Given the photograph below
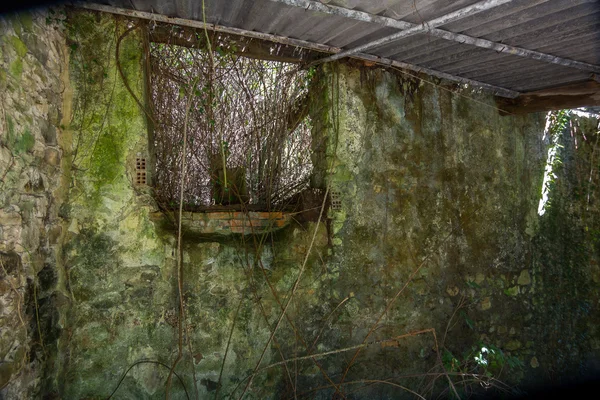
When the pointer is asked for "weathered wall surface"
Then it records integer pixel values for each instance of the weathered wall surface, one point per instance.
(120, 264)
(112, 260)
(439, 191)
(565, 253)
(437, 185)
(33, 61)
(436, 230)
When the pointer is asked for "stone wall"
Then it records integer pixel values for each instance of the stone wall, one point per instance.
(565, 276)
(33, 63)
(432, 248)
(439, 191)
(438, 209)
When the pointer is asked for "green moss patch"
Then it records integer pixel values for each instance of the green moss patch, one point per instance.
(25, 142)
(16, 68)
(18, 45)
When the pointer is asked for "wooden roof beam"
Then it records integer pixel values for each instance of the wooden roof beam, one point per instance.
(186, 36)
(568, 96)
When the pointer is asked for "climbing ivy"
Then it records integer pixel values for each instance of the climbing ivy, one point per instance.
(565, 247)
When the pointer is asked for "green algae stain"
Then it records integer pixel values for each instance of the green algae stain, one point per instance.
(16, 68)
(112, 123)
(19, 143)
(11, 127)
(25, 142)
(18, 45)
(107, 158)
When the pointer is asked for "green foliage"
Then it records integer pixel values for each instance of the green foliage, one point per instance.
(483, 361)
(55, 17)
(565, 247)
(556, 123)
(473, 285)
(450, 362)
(468, 320)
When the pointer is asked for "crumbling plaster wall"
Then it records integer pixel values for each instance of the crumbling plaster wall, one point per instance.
(438, 215)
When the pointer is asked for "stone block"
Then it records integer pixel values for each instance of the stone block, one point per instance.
(513, 345)
(52, 156)
(54, 233)
(11, 261)
(198, 216)
(209, 229)
(486, 304)
(8, 218)
(220, 215)
(524, 278)
(240, 229)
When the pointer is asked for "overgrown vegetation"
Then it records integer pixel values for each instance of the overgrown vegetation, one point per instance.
(556, 123)
(248, 131)
(566, 248)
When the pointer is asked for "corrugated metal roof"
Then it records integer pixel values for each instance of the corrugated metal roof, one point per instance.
(566, 28)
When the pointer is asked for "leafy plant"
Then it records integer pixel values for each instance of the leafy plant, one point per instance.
(483, 363)
(556, 122)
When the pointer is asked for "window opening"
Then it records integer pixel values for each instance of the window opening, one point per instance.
(249, 134)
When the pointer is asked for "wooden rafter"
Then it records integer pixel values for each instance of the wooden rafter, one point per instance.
(568, 96)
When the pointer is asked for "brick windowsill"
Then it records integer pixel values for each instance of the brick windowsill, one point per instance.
(234, 222)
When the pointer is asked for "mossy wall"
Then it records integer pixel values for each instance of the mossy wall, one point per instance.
(111, 252)
(436, 248)
(439, 191)
(119, 264)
